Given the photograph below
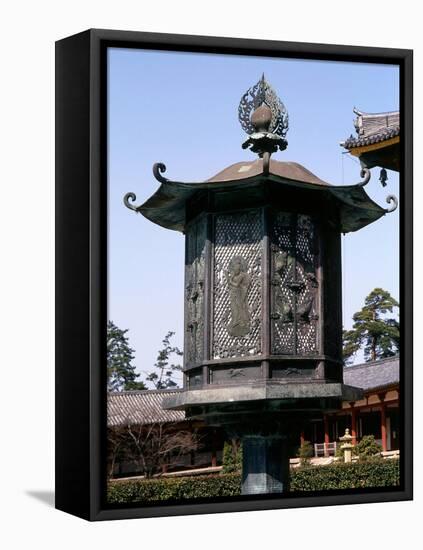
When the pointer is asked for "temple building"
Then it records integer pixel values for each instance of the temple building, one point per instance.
(376, 414)
(377, 142)
(144, 409)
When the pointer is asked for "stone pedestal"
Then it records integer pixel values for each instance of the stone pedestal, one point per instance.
(265, 465)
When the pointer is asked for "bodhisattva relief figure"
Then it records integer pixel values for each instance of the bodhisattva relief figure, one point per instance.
(238, 282)
(283, 263)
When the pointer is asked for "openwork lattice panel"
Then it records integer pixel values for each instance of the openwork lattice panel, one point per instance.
(194, 292)
(294, 285)
(237, 288)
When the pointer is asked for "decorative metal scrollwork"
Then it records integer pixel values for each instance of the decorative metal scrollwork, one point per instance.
(158, 169)
(391, 199)
(366, 175)
(130, 197)
(259, 94)
(264, 118)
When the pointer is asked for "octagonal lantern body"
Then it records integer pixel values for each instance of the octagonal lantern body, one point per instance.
(262, 291)
(263, 296)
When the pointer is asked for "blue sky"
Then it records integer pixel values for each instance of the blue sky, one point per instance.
(181, 109)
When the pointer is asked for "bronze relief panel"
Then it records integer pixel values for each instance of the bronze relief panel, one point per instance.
(294, 295)
(237, 285)
(194, 291)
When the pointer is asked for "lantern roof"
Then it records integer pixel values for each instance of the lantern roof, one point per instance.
(287, 170)
(167, 207)
(264, 118)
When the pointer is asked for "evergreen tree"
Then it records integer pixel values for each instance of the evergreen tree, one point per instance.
(162, 377)
(372, 328)
(121, 373)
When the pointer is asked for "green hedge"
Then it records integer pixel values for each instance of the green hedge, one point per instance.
(232, 457)
(375, 473)
(178, 488)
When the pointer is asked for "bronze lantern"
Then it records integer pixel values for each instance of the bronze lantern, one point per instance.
(263, 290)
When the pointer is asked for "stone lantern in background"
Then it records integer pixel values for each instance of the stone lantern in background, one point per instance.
(263, 296)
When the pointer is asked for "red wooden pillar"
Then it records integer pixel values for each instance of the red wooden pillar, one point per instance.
(353, 424)
(326, 429)
(302, 438)
(383, 427)
(383, 422)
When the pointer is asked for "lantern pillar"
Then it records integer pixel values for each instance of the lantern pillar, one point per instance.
(265, 464)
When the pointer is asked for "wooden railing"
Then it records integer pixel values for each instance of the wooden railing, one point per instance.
(325, 449)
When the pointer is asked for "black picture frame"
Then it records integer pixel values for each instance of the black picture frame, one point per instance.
(81, 260)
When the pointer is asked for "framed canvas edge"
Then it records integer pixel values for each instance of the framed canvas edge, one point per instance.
(89, 450)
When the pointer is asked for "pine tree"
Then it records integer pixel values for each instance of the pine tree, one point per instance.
(162, 377)
(372, 329)
(121, 373)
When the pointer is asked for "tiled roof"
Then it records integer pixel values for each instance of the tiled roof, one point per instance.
(373, 128)
(140, 407)
(369, 140)
(374, 374)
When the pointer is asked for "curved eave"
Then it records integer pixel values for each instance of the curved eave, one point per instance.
(167, 206)
(357, 208)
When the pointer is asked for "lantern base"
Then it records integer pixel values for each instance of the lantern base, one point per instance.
(266, 417)
(269, 391)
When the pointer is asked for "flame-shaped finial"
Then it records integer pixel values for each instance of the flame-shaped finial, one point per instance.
(264, 117)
